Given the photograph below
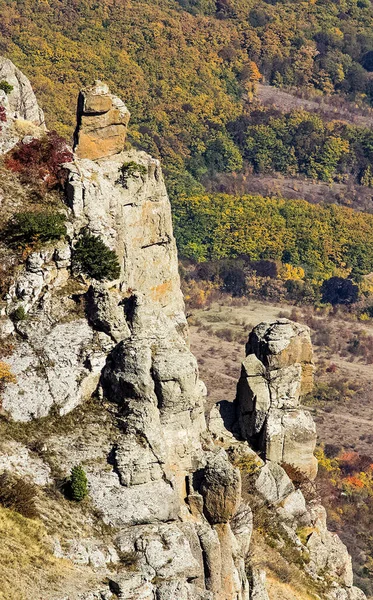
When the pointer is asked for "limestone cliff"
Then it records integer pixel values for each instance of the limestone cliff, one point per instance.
(105, 379)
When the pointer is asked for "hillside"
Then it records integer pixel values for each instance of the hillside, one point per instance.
(188, 69)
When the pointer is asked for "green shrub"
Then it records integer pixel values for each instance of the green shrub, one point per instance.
(78, 484)
(18, 314)
(6, 87)
(131, 169)
(95, 259)
(338, 290)
(18, 494)
(32, 227)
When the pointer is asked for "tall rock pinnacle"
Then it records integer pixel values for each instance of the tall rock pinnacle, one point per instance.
(102, 123)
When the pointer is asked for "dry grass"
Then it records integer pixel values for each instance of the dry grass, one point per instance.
(28, 567)
(286, 580)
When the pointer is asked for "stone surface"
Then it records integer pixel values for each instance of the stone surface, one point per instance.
(17, 459)
(24, 119)
(102, 123)
(22, 102)
(273, 483)
(88, 551)
(276, 373)
(259, 591)
(220, 488)
(135, 221)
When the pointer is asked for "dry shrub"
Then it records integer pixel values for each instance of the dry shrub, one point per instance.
(301, 482)
(199, 294)
(226, 333)
(39, 161)
(18, 495)
(361, 345)
(6, 376)
(129, 560)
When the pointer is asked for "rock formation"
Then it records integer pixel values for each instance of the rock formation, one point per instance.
(21, 100)
(20, 114)
(102, 123)
(276, 373)
(169, 516)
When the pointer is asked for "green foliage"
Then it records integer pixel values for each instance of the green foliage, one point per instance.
(78, 484)
(27, 228)
(6, 87)
(300, 143)
(95, 259)
(314, 237)
(19, 314)
(338, 290)
(222, 155)
(131, 169)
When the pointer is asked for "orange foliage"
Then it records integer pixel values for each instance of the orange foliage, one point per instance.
(6, 375)
(354, 481)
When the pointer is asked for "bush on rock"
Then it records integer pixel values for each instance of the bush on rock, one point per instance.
(27, 228)
(95, 259)
(78, 484)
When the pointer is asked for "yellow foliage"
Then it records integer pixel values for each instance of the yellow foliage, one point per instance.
(329, 464)
(288, 271)
(198, 293)
(6, 375)
(364, 317)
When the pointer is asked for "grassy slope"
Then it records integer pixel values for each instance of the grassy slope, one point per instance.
(28, 567)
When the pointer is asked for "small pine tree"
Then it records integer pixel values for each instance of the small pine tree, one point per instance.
(6, 87)
(95, 259)
(34, 227)
(78, 484)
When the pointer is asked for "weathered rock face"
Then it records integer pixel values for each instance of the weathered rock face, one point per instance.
(21, 114)
(133, 217)
(60, 349)
(102, 123)
(21, 100)
(221, 489)
(276, 373)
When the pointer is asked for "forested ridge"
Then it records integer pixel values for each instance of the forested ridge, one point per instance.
(186, 69)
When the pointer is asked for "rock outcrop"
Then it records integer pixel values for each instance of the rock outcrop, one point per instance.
(169, 515)
(20, 114)
(21, 101)
(102, 123)
(276, 373)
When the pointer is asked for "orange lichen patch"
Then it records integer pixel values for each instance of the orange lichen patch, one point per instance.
(158, 292)
(6, 375)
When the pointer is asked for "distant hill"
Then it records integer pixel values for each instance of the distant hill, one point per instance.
(185, 68)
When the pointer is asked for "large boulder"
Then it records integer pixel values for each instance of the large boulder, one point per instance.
(21, 101)
(221, 488)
